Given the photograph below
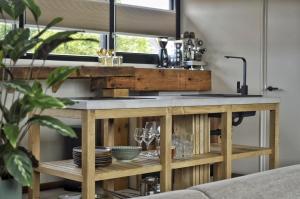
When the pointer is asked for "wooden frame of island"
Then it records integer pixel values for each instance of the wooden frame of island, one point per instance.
(221, 156)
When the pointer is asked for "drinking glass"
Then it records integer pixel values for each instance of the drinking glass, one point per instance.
(138, 135)
(148, 137)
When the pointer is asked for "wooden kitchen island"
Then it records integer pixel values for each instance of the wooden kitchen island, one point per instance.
(167, 108)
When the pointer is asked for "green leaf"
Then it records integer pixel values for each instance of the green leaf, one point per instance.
(19, 110)
(45, 102)
(37, 88)
(21, 48)
(4, 111)
(19, 85)
(11, 132)
(66, 101)
(14, 8)
(53, 123)
(15, 36)
(51, 24)
(1, 56)
(59, 75)
(34, 8)
(19, 166)
(53, 42)
(17, 43)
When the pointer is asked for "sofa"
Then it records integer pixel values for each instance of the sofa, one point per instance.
(282, 183)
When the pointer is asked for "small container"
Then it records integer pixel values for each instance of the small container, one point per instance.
(149, 186)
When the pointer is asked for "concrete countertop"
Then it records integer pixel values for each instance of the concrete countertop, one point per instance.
(166, 101)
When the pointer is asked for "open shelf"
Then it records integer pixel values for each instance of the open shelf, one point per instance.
(243, 151)
(67, 169)
(207, 158)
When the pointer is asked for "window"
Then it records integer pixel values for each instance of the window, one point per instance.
(140, 44)
(159, 4)
(85, 48)
(136, 44)
(132, 21)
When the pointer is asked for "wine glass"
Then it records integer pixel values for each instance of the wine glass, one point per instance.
(138, 135)
(148, 137)
(157, 135)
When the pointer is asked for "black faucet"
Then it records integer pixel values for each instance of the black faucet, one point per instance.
(244, 89)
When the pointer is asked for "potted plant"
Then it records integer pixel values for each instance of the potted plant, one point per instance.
(22, 102)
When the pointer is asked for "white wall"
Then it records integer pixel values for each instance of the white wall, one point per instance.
(231, 27)
(235, 27)
(283, 72)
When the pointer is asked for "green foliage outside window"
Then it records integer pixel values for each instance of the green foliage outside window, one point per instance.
(78, 47)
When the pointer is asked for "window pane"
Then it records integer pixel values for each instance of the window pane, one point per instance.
(139, 44)
(160, 4)
(75, 47)
(136, 44)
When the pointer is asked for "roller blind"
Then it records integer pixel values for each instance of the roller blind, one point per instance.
(140, 20)
(6, 17)
(77, 14)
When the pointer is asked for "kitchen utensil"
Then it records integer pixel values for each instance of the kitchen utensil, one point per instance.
(103, 156)
(163, 54)
(125, 153)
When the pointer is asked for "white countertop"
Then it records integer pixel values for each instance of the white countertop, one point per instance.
(167, 101)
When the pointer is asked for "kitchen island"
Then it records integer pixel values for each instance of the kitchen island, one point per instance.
(167, 108)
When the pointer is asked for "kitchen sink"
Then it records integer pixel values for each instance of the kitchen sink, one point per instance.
(220, 95)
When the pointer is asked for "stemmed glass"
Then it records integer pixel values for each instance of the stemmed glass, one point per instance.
(138, 135)
(148, 137)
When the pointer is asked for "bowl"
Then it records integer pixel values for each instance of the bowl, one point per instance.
(125, 153)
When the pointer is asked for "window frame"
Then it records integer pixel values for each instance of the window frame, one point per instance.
(108, 41)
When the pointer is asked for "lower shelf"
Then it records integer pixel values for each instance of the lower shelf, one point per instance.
(67, 169)
(242, 151)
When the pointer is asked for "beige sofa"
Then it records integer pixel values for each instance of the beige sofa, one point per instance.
(282, 183)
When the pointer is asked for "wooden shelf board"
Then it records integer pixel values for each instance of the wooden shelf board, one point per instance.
(208, 158)
(67, 169)
(125, 169)
(243, 151)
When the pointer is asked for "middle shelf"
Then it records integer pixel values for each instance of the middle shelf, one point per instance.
(67, 169)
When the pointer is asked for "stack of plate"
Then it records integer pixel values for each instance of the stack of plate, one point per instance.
(103, 156)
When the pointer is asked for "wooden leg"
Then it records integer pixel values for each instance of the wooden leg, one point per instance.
(227, 143)
(34, 146)
(165, 153)
(218, 171)
(197, 126)
(88, 154)
(120, 134)
(108, 140)
(274, 138)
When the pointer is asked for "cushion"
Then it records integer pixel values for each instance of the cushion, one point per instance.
(274, 184)
(183, 194)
